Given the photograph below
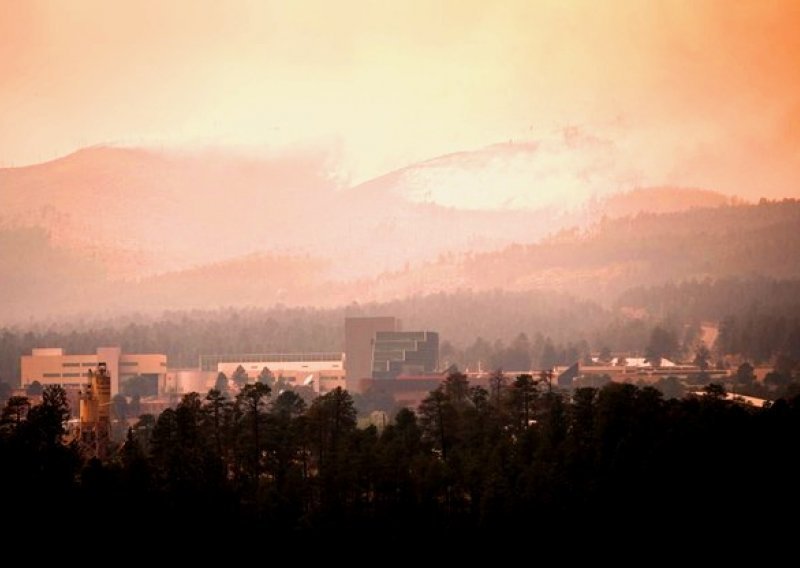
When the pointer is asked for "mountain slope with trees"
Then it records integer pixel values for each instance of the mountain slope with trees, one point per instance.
(517, 461)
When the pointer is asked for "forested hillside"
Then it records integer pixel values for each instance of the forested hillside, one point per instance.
(598, 264)
(713, 300)
(649, 249)
(759, 320)
(184, 335)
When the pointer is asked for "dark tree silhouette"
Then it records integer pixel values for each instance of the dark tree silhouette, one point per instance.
(663, 344)
(239, 377)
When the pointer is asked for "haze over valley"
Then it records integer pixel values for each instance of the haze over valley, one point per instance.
(186, 230)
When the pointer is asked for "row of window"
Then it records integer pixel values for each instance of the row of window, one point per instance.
(92, 364)
(210, 362)
(66, 375)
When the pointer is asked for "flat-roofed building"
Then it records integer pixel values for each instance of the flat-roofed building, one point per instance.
(322, 371)
(184, 381)
(51, 366)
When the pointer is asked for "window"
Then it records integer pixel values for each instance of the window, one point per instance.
(51, 375)
(65, 375)
(88, 364)
(70, 364)
(128, 363)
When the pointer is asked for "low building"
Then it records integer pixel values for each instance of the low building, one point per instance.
(633, 370)
(51, 366)
(406, 390)
(410, 390)
(323, 371)
(184, 381)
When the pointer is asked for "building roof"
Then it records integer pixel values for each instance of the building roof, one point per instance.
(741, 399)
(638, 362)
(209, 362)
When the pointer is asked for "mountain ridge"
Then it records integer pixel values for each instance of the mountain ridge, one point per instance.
(598, 264)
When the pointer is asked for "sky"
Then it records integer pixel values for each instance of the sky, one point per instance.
(704, 94)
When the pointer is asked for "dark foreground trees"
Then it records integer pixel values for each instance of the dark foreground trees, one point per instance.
(521, 460)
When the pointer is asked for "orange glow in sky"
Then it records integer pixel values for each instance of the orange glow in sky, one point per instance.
(693, 93)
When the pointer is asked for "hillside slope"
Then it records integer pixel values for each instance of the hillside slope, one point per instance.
(598, 264)
(144, 211)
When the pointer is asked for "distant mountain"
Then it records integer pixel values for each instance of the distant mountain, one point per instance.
(144, 212)
(597, 264)
(657, 200)
(125, 228)
(561, 173)
(644, 250)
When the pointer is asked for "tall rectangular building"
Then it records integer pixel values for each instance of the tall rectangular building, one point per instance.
(359, 337)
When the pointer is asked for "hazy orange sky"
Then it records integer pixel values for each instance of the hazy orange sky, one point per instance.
(691, 93)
